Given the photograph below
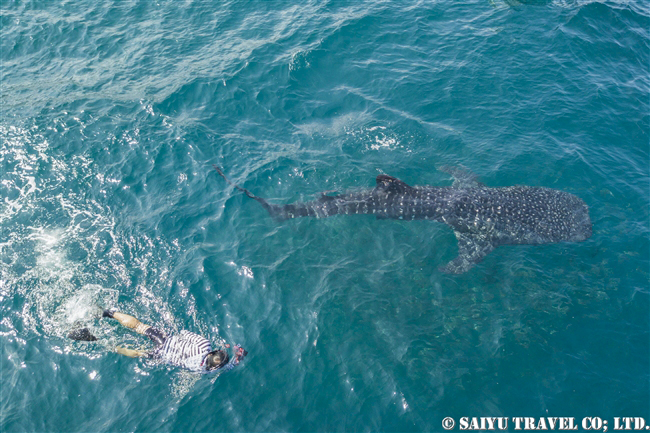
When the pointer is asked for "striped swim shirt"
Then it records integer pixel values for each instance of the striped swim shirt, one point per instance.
(186, 350)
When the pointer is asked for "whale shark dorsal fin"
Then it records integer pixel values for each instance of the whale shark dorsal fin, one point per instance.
(463, 178)
(392, 184)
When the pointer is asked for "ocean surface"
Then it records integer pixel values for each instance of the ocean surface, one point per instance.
(113, 112)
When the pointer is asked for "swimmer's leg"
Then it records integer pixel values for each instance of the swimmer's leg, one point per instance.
(155, 334)
(131, 353)
(128, 321)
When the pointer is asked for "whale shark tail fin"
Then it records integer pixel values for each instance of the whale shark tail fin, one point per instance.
(244, 190)
(275, 211)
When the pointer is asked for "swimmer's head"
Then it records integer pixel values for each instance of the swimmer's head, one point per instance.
(216, 359)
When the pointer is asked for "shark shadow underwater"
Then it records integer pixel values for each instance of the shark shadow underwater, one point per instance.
(482, 218)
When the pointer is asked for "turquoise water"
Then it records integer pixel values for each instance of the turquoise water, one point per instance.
(113, 113)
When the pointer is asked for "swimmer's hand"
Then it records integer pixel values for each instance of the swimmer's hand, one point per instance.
(239, 353)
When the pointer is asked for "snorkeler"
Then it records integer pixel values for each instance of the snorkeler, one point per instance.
(187, 350)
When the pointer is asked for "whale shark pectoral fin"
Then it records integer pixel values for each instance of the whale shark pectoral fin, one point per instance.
(463, 178)
(471, 250)
(392, 184)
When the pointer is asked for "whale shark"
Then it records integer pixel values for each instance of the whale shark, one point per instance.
(482, 218)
